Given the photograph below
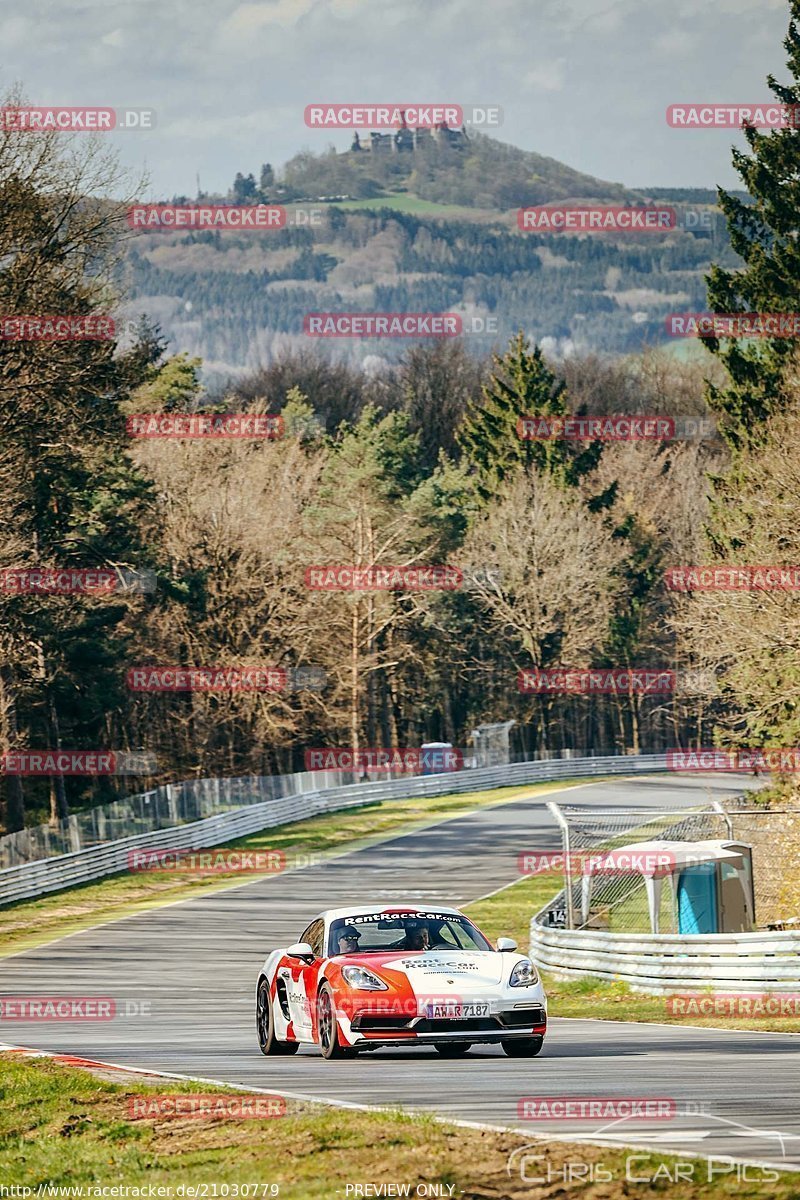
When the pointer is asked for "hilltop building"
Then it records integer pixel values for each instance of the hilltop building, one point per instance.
(405, 140)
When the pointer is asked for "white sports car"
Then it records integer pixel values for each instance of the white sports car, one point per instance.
(407, 975)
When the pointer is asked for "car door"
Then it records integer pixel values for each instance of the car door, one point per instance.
(303, 993)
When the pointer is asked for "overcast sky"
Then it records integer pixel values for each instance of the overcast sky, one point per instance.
(584, 81)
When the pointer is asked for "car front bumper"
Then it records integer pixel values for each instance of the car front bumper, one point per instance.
(522, 1021)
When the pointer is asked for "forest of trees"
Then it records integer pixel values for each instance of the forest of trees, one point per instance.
(567, 543)
(390, 472)
(235, 303)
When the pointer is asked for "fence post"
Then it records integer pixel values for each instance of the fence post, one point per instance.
(74, 833)
(172, 803)
(717, 804)
(559, 816)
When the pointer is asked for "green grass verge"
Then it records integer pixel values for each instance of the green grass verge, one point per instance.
(609, 1001)
(71, 1128)
(32, 923)
(509, 913)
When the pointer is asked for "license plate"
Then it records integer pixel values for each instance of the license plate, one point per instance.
(457, 1011)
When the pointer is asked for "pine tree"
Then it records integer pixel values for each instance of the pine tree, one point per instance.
(244, 188)
(521, 385)
(764, 234)
(172, 385)
(266, 181)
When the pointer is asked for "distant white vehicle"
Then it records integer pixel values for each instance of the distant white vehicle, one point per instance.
(406, 975)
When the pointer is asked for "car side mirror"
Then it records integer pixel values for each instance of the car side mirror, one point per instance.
(504, 944)
(301, 950)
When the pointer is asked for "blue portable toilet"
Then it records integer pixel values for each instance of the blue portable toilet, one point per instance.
(712, 882)
(696, 894)
(437, 757)
(717, 896)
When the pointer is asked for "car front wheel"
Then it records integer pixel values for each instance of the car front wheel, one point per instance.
(265, 1024)
(328, 1028)
(522, 1047)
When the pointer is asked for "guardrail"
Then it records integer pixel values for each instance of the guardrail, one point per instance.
(163, 807)
(111, 857)
(721, 962)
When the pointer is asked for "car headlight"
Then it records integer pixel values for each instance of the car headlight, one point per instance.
(364, 980)
(524, 974)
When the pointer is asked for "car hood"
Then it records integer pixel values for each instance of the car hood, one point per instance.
(437, 970)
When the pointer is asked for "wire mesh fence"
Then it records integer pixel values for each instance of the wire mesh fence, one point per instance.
(774, 835)
(194, 799)
(616, 899)
(164, 807)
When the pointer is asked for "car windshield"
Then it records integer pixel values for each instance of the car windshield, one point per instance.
(403, 929)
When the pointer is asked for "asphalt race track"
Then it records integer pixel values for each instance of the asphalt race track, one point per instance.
(195, 964)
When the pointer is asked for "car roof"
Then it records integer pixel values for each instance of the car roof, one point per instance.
(394, 906)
